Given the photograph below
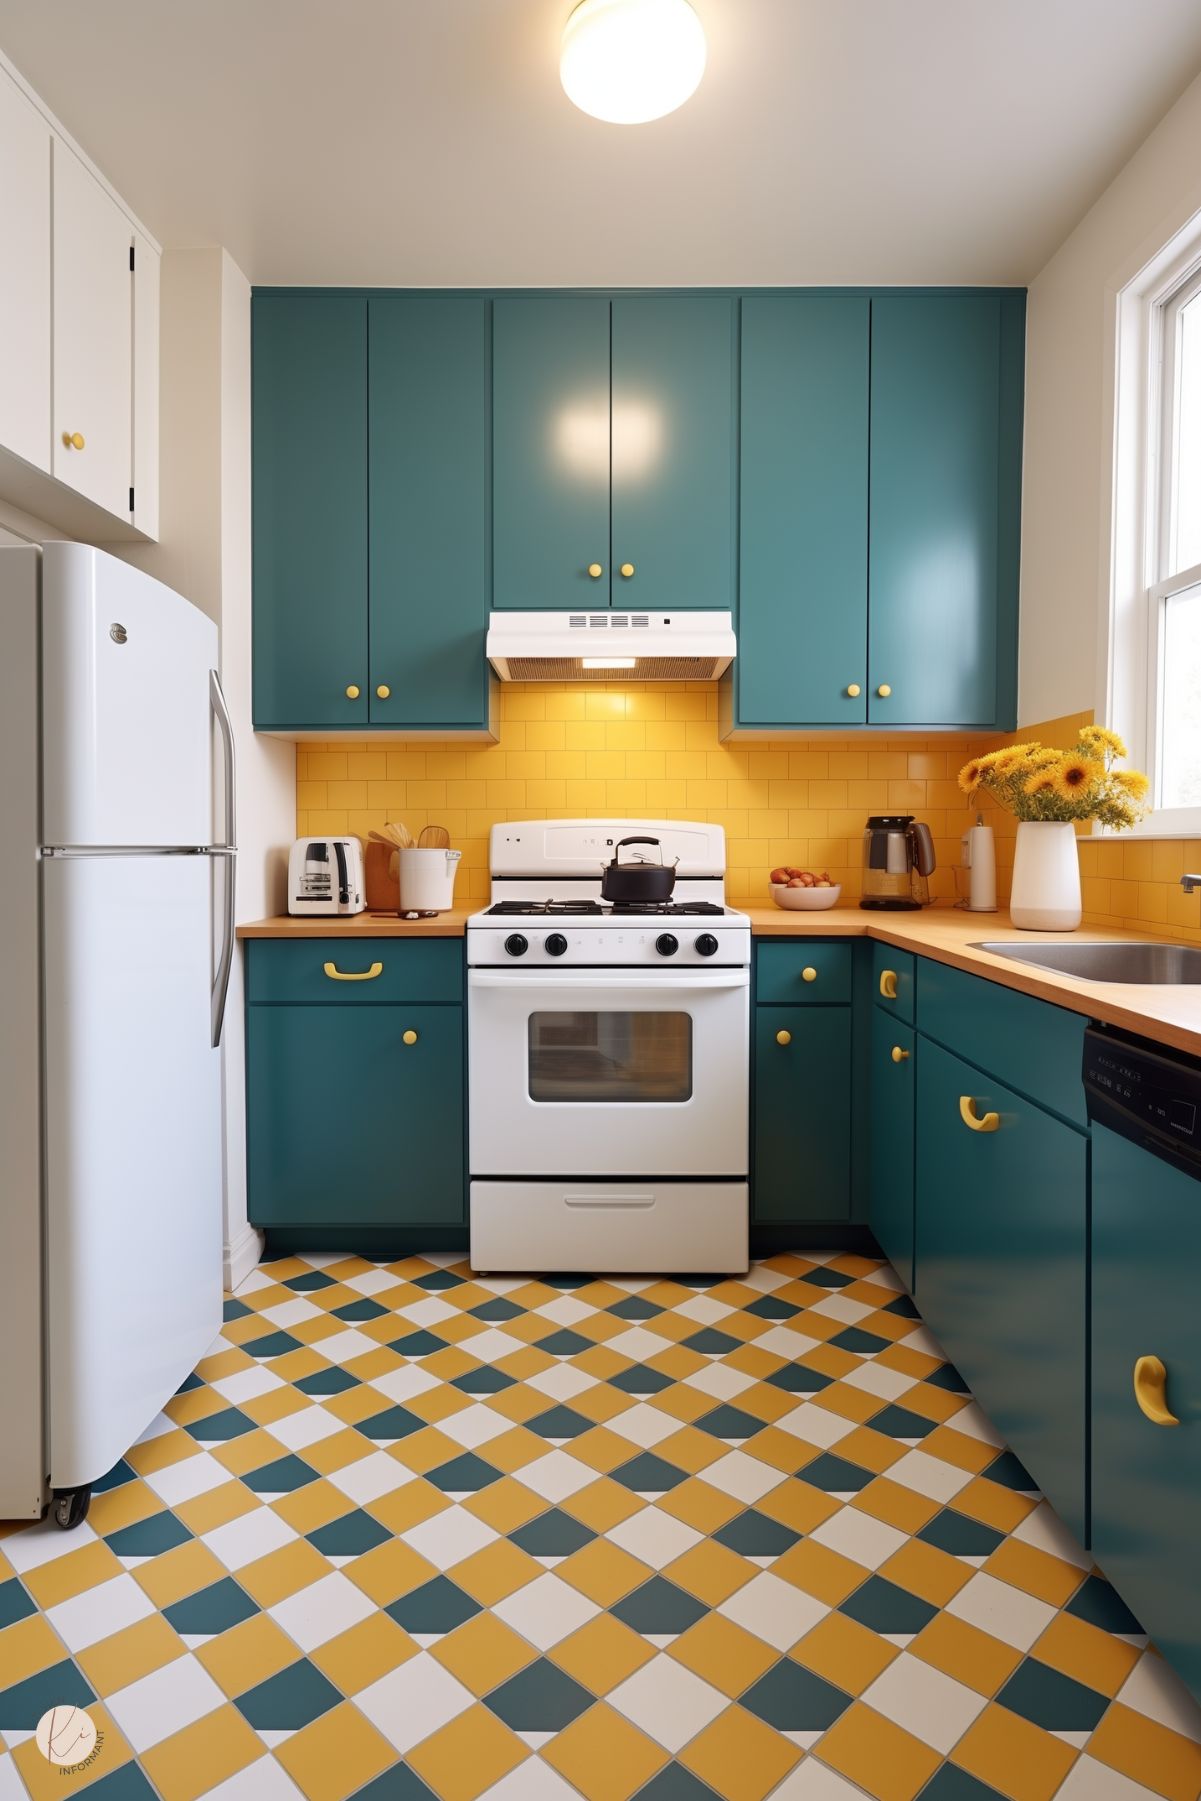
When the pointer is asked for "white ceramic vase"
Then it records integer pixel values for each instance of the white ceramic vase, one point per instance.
(1045, 896)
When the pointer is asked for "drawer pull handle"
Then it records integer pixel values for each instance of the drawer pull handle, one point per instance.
(352, 692)
(888, 984)
(899, 1055)
(74, 440)
(809, 974)
(884, 690)
(409, 1037)
(976, 1122)
(1151, 1391)
(353, 975)
(783, 1037)
(595, 571)
(853, 690)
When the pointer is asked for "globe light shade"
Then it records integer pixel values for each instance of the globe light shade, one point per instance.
(628, 61)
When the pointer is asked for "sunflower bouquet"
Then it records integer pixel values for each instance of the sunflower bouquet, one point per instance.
(1035, 781)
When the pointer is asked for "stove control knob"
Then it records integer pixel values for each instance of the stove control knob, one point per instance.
(667, 944)
(706, 945)
(556, 944)
(516, 944)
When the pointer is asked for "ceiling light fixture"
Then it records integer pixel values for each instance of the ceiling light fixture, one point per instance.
(628, 61)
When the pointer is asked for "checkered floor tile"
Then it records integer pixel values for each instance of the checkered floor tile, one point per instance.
(410, 1533)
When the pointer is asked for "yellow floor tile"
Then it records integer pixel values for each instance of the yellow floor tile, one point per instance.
(336, 1754)
(249, 1452)
(740, 1757)
(699, 1504)
(314, 1505)
(844, 1652)
(390, 1570)
(1034, 1571)
(515, 1448)
(46, 1781)
(276, 1404)
(602, 1653)
(994, 1505)
(711, 1572)
(29, 1646)
(1019, 1759)
(602, 1571)
(407, 1507)
(798, 1505)
(1093, 1657)
(468, 1756)
(604, 1504)
(161, 1452)
(178, 1572)
(365, 1652)
(281, 1573)
(871, 1450)
(202, 1755)
(819, 1571)
(126, 1656)
(247, 1654)
(604, 1756)
(123, 1506)
(505, 1505)
(216, 1508)
(498, 1570)
(926, 1571)
(783, 1450)
(483, 1653)
(1149, 1753)
(882, 1758)
(723, 1654)
(425, 1450)
(69, 1575)
(850, 1403)
(966, 1653)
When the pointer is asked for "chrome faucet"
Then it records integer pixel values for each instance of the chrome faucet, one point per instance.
(1190, 882)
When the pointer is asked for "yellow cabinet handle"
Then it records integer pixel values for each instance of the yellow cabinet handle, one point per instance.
(409, 1037)
(383, 692)
(888, 984)
(1151, 1391)
(808, 974)
(899, 1055)
(974, 1121)
(353, 975)
(884, 690)
(74, 440)
(595, 571)
(627, 569)
(352, 692)
(854, 691)
(783, 1037)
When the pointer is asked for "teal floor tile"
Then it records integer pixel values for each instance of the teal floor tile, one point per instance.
(149, 1537)
(282, 1476)
(15, 1604)
(211, 1610)
(552, 1534)
(22, 1705)
(660, 1608)
(1049, 1699)
(540, 1698)
(793, 1699)
(438, 1606)
(885, 1608)
(288, 1700)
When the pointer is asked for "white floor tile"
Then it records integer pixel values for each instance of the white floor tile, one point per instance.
(928, 1475)
(667, 1702)
(474, 1425)
(644, 1424)
(816, 1425)
(774, 1611)
(877, 1379)
(1007, 1613)
(930, 1705)
(782, 1341)
(492, 1345)
(814, 1781)
(654, 1537)
(244, 1385)
(556, 1475)
(974, 1424)
(13, 1789)
(764, 1279)
(1044, 1529)
(561, 1382)
(190, 1477)
(371, 1281)
(743, 1477)
(837, 1306)
(307, 1427)
(399, 1385)
(94, 1613)
(164, 1702)
(720, 1381)
(290, 1313)
(448, 1537)
(372, 1476)
(546, 1610)
(410, 1703)
(860, 1536)
(1153, 1688)
(1088, 1780)
(249, 1537)
(42, 1543)
(429, 1312)
(565, 1310)
(638, 1344)
(319, 1612)
(344, 1347)
(264, 1780)
(531, 1781)
(704, 1309)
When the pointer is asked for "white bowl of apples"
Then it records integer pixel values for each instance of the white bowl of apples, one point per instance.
(801, 890)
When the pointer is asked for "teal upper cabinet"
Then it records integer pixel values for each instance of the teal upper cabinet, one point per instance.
(429, 510)
(613, 451)
(550, 438)
(674, 368)
(310, 510)
(944, 507)
(802, 640)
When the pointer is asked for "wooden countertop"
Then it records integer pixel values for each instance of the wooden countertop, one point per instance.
(1170, 1016)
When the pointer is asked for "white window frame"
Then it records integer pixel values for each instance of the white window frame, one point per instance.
(1140, 524)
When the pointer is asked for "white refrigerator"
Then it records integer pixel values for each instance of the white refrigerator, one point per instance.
(116, 936)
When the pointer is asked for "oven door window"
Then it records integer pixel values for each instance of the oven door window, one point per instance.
(610, 1057)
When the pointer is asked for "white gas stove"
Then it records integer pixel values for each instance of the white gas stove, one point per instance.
(609, 1056)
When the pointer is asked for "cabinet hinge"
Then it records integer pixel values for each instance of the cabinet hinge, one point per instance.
(131, 256)
(131, 500)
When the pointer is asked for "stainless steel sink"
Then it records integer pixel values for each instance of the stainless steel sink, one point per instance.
(1166, 964)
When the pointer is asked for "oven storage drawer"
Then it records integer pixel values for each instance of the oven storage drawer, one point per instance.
(803, 972)
(610, 1227)
(365, 971)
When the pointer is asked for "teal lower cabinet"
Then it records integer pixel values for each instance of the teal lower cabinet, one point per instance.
(890, 1209)
(1000, 1263)
(801, 1167)
(1146, 1268)
(355, 1108)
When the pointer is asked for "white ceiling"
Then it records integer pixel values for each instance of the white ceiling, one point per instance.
(428, 142)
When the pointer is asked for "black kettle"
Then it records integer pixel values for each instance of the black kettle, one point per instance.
(637, 883)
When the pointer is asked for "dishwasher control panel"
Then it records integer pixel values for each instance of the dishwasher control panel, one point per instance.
(1142, 1091)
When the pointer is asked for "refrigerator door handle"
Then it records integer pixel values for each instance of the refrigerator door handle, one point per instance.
(228, 852)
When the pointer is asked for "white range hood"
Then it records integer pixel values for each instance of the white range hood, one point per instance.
(602, 646)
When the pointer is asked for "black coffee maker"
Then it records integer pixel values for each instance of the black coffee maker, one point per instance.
(898, 859)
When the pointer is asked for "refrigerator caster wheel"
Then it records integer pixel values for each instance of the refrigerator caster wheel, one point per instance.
(70, 1509)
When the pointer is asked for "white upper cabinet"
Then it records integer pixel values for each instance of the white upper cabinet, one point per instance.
(93, 337)
(79, 335)
(24, 277)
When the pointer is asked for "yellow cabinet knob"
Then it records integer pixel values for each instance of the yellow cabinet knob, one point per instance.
(809, 974)
(976, 1122)
(888, 984)
(74, 440)
(884, 690)
(353, 691)
(595, 571)
(627, 569)
(409, 1037)
(899, 1055)
(853, 691)
(783, 1037)
(383, 691)
(1151, 1391)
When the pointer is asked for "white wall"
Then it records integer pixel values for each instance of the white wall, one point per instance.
(1070, 357)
